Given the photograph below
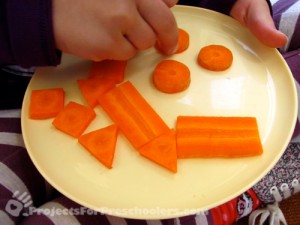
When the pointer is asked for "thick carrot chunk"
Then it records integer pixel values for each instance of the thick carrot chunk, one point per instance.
(162, 150)
(171, 76)
(101, 144)
(92, 89)
(108, 69)
(215, 57)
(133, 115)
(46, 103)
(74, 118)
(217, 137)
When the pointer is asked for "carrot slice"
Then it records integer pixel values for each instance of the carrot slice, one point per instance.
(133, 114)
(162, 150)
(46, 103)
(215, 57)
(171, 76)
(101, 144)
(182, 43)
(92, 89)
(73, 119)
(109, 69)
(199, 136)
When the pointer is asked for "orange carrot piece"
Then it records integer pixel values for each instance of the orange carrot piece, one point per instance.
(92, 89)
(215, 57)
(162, 150)
(109, 69)
(217, 137)
(133, 114)
(171, 76)
(182, 43)
(73, 119)
(46, 103)
(101, 144)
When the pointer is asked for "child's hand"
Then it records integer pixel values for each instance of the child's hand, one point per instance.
(113, 29)
(255, 14)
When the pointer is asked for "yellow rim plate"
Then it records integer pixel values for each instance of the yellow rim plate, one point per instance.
(259, 84)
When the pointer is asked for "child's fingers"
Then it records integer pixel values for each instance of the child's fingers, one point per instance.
(158, 15)
(141, 35)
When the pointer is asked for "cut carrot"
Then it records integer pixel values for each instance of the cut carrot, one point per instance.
(133, 114)
(108, 69)
(101, 144)
(92, 89)
(182, 43)
(162, 150)
(200, 136)
(171, 76)
(215, 57)
(46, 103)
(73, 119)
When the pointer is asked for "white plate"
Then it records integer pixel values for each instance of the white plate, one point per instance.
(258, 84)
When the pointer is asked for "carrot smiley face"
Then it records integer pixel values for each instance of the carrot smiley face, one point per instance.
(170, 76)
(215, 57)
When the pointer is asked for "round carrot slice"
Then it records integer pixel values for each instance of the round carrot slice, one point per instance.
(182, 43)
(215, 57)
(171, 76)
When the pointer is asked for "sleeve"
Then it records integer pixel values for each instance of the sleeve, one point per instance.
(223, 6)
(26, 33)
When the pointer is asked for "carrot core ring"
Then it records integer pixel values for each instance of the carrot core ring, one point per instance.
(171, 76)
(215, 57)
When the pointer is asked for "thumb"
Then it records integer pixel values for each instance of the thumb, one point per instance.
(255, 14)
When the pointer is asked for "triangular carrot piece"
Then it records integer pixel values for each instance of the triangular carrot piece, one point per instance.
(162, 150)
(101, 144)
(92, 89)
(108, 69)
(74, 118)
(46, 103)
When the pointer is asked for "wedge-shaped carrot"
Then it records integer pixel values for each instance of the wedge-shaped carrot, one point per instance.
(162, 150)
(133, 114)
(101, 144)
(171, 76)
(199, 136)
(92, 89)
(74, 118)
(46, 103)
(109, 69)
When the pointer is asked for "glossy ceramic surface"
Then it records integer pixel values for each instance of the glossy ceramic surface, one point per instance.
(258, 84)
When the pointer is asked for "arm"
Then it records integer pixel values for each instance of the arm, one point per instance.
(26, 36)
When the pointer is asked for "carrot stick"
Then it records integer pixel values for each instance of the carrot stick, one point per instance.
(215, 57)
(92, 89)
(217, 137)
(46, 103)
(170, 76)
(133, 115)
(73, 119)
(162, 150)
(108, 69)
(101, 144)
